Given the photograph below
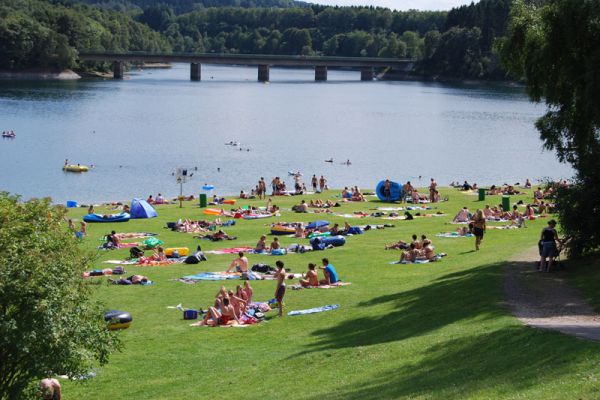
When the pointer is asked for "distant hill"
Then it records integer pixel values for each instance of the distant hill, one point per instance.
(184, 6)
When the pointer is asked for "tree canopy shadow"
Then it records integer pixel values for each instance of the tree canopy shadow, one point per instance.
(508, 360)
(515, 357)
(449, 299)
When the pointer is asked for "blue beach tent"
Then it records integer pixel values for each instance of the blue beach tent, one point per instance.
(395, 189)
(141, 209)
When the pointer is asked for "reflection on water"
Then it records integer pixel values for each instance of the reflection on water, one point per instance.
(137, 131)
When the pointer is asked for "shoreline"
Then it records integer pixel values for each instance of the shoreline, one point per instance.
(67, 74)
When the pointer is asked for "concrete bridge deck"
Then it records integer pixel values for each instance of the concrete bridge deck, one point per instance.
(263, 62)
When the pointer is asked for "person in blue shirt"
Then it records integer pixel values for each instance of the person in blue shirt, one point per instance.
(330, 273)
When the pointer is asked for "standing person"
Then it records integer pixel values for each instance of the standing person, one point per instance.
(548, 240)
(330, 273)
(387, 190)
(432, 190)
(322, 183)
(280, 289)
(478, 227)
(314, 182)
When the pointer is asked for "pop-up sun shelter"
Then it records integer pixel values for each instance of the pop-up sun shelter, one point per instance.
(141, 209)
(395, 191)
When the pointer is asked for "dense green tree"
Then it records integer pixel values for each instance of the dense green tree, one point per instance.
(48, 323)
(554, 48)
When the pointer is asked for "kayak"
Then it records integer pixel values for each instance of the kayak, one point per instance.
(76, 168)
(123, 217)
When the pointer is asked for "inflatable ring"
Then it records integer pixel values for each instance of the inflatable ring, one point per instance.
(117, 319)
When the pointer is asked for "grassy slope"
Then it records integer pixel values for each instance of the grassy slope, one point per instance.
(403, 331)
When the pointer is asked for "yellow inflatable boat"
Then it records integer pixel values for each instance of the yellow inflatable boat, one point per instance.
(76, 168)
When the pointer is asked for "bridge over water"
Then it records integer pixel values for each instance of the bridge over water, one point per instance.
(366, 65)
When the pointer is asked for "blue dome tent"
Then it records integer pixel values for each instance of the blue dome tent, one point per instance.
(141, 209)
(396, 191)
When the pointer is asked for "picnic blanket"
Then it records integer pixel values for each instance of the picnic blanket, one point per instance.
(208, 276)
(453, 235)
(389, 208)
(134, 235)
(437, 257)
(231, 250)
(170, 261)
(314, 310)
(351, 215)
(333, 285)
(120, 262)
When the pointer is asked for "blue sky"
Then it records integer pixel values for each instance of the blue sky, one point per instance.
(399, 4)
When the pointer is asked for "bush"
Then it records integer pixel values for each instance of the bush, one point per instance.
(48, 323)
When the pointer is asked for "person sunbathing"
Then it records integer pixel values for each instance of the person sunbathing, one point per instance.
(427, 252)
(487, 212)
(131, 280)
(275, 245)
(529, 213)
(300, 233)
(410, 255)
(542, 208)
(240, 264)
(249, 291)
(335, 230)
(224, 316)
(238, 303)
(50, 389)
(400, 245)
(311, 277)
(463, 215)
(261, 246)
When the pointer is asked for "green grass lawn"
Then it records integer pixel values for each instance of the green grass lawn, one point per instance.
(437, 330)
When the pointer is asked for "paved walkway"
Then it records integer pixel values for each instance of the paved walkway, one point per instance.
(546, 301)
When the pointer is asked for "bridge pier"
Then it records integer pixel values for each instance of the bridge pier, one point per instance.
(195, 71)
(263, 73)
(367, 74)
(321, 73)
(118, 69)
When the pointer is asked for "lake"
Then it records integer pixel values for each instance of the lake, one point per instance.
(136, 132)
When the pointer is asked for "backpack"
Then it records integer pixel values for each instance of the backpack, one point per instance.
(136, 252)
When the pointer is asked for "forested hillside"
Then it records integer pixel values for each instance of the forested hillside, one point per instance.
(41, 34)
(454, 44)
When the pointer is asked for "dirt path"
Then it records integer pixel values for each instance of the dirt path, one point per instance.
(546, 301)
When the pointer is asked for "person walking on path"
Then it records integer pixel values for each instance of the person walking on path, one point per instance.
(548, 241)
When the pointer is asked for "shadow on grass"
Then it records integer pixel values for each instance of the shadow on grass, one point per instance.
(506, 359)
(449, 299)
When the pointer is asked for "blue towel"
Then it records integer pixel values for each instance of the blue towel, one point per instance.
(314, 310)
(210, 276)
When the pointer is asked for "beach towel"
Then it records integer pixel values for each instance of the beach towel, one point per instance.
(333, 285)
(231, 250)
(134, 235)
(453, 235)
(389, 208)
(209, 276)
(120, 262)
(314, 310)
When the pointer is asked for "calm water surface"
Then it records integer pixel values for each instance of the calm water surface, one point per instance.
(138, 131)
